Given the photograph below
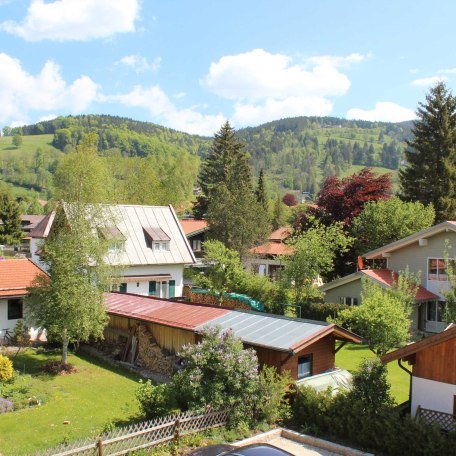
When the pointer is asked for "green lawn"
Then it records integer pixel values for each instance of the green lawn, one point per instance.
(29, 144)
(95, 396)
(351, 356)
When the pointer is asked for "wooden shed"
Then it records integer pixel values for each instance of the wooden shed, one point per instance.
(303, 347)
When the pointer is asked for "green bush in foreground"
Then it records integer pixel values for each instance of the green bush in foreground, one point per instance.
(6, 369)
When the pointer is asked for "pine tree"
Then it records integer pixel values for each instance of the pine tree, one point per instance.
(10, 229)
(431, 154)
(261, 191)
(227, 163)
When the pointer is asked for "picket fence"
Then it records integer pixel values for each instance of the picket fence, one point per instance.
(141, 435)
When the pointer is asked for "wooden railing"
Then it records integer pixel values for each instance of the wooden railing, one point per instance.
(446, 421)
(142, 435)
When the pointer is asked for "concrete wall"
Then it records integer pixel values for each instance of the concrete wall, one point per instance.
(351, 290)
(432, 395)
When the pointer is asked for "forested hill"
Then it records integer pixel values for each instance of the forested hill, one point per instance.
(296, 153)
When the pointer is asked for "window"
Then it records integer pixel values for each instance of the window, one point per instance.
(348, 301)
(435, 311)
(172, 288)
(123, 287)
(14, 309)
(304, 366)
(196, 245)
(157, 246)
(152, 288)
(438, 269)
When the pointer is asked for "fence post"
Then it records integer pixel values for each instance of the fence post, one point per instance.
(100, 446)
(177, 431)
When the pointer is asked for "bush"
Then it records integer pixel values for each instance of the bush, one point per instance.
(21, 336)
(59, 368)
(6, 369)
(156, 401)
(5, 406)
(321, 311)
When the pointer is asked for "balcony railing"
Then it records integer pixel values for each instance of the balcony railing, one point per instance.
(446, 421)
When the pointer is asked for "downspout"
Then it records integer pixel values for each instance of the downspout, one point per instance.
(399, 362)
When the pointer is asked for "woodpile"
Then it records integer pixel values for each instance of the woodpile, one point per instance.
(151, 356)
(207, 298)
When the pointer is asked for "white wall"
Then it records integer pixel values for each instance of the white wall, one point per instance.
(432, 395)
(176, 271)
(35, 246)
(4, 322)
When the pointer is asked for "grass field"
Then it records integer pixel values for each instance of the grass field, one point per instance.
(350, 357)
(96, 396)
(29, 144)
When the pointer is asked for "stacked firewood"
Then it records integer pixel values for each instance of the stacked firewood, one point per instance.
(152, 356)
(206, 298)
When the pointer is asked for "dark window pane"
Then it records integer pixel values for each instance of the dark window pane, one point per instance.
(14, 309)
(304, 366)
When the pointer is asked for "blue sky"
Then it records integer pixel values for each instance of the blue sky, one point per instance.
(191, 64)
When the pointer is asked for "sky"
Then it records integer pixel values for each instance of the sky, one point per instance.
(192, 64)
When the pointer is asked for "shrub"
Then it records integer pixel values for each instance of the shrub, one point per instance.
(156, 401)
(59, 368)
(272, 403)
(21, 336)
(321, 311)
(5, 406)
(6, 369)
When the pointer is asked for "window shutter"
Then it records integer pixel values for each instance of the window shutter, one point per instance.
(123, 287)
(172, 288)
(152, 288)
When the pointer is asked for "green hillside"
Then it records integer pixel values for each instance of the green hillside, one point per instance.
(296, 154)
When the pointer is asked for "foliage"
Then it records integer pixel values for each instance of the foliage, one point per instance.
(260, 191)
(450, 294)
(10, 229)
(289, 199)
(21, 335)
(272, 402)
(383, 317)
(389, 220)
(218, 372)
(370, 386)
(321, 311)
(314, 253)
(6, 369)
(280, 214)
(17, 140)
(156, 400)
(5, 406)
(431, 154)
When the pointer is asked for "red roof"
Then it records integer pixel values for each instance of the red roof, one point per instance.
(389, 278)
(191, 226)
(16, 275)
(280, 234)
(168, 313)
(272, 248)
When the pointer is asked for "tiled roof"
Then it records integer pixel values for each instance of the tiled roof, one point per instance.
(191, 226)
(389, 278)
(280, 234)
(169, 313)
(41, 230)
(16, 275)
(272, 248)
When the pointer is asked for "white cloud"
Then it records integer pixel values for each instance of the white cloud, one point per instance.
(429, 81)
(155, 100)
(48, 117)
(64, 20)
(268, 86)
(384, 111)
(21, 92)
(139, 63)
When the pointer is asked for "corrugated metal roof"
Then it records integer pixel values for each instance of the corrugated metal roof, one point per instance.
(169, 313)
(156, 233)
(273, 331)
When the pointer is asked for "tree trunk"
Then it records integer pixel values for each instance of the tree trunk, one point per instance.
(64, 347)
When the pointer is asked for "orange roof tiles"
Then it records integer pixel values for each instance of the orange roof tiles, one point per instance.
(280, 234)
(389, 278)
(272, 248)
(16, 275)
(192, 226)
(168, 313)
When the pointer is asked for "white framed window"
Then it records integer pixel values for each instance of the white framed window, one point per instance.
(348, 300)
(196, 245)
(305, 366)
(438, 269)
(157, 246)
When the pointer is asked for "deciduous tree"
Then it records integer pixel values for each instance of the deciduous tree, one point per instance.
(10, 229)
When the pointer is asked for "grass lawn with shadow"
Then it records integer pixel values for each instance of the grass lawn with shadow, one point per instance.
(96, 396)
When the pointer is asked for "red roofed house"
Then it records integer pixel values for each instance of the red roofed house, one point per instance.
(423, 253)
(433, 377)
(265, 259)
(195, 230)
(305, 348)
(15, 276)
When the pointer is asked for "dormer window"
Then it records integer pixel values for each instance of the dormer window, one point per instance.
(156, 239)
(114, 236)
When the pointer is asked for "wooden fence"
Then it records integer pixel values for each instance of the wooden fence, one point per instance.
(446, 421)
(142, 435)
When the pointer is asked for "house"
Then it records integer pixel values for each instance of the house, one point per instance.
(423, 253)
(195, 230)
(15, 276)
(147, 243)
(266, 259)
(28, 222)
(303, 347)
(433, 376)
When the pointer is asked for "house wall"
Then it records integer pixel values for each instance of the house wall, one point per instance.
(176, 271)
(351, 289)
(416, 258)
(437, 362)
(4, 322)
(197, 237)
(35, 245)
(432, 395)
